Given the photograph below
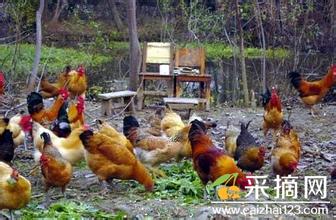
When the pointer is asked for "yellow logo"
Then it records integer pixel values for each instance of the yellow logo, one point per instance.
(225, 192)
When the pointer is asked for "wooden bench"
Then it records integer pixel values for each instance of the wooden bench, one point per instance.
(182, 103)
(109, 102)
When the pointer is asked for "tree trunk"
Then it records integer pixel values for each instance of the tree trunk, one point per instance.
(115, 14)
(135, 52)
(278, 11)
(242, 56)
(263, 44)
(33, 75)
(59, 8)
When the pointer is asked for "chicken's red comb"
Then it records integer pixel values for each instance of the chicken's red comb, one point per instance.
(86, 127)
(333, 67)
(81, 69)
(2, 78)
(26, 123)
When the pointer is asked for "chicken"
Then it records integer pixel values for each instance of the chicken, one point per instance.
(2, 83)
(61, 126)
(21, 127)
(7, 146)
(108, 130)
(77, 82)
(154, 150)
(312, 93)
(210, 162)
(151, 150)
(171, 123)
(273, 115)
(249, 155)
(155, 123)
(56, 170)
(36, 107)
(48, 90)
(231, 135)
(108, 159)
(17, 133)
(15, 190)
(287, 151)
(76, 113)
(71, 148)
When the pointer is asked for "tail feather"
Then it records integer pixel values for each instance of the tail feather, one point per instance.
(142, 176)
(295, 79)
(128, 123)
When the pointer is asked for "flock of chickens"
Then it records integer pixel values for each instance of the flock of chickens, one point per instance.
(61, 139)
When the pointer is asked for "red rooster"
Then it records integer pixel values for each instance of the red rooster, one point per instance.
(312, 92)
(273, 115)
(210, 162)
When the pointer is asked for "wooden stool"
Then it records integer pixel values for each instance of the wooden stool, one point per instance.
(108, 105)
(182, 103)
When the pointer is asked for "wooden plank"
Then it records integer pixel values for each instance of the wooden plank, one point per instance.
(158, 52)
(155, 93)
(193, 101)
(119, 94)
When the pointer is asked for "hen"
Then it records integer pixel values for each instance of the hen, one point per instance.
(210, 162)
(108, 159)
(15, 190)
(151, 150)
(108, 130)
(61, 126)
(76, 113)
(171, 123)
(7, 146)
(71, 148)
(287, 151)
(312, 93)
(48, 90)
(39, 113)
(56, 171)
(20, 125)
(273, 115)
(249, 155)
(77, 82)
(231, 135)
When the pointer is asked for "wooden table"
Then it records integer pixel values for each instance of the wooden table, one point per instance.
(146, 76)
(204, 80)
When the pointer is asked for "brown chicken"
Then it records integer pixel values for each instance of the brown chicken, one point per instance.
(108, 159)
(48, 90)
(15, 190)
(39, 113)
(76, 113)
(273, 115)
(108, 130)
(210, 162)
(231, 135)
(56, 170)
(77, 82)
(287, 151)
(155, 123)
(151, 150)
(312, 93)
(249, 155)
(171, 123)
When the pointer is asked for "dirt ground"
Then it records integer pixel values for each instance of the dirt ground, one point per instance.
(317, 135)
